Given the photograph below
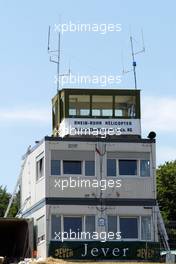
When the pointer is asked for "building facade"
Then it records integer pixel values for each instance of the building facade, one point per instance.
(91, 186)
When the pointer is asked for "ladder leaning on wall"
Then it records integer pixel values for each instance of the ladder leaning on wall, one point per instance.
(163, 234)
(17, 183)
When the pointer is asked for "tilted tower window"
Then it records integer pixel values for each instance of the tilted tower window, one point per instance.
(79, 105)
(125, 106)
(102, 105)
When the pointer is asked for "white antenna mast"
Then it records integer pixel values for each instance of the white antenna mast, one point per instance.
(133, 53)
(57, 55)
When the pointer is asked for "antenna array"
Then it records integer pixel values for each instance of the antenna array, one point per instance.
(134, 64)
(56, 54)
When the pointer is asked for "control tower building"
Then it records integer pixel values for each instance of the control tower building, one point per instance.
(91, 186)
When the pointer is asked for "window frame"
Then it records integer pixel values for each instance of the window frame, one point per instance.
(51, 167)
(139, 217)
(72, 216)
(151, 228)
(83, 221)
(126, 109)
(42, 238)
(73, 174)
(150, 172)
(64, 93)
(138, 175)
(138, 228)
(83, 217)
(100, 109)
(76, 115)
(50, 228)
(37, 160)
(116, 168)
(129, 175)
(84, 168)
(117, 223)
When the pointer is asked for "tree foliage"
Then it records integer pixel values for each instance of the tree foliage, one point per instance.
(166, 190)
(4, 200)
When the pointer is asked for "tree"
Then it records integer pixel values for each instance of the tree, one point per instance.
(4, 200)
(15, 205)
(166, 190)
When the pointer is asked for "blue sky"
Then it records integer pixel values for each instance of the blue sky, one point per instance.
(27, 77)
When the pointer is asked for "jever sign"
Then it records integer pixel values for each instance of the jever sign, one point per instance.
(104, 250)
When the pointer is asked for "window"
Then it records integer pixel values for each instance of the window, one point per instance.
(102, 105)
(73, 224)
(146, 228)
(127, 167)
(79, 105)
(112, 223)
(72, 112)
(89, 168)
(84, 112)
(144, 168)
(106, 112)
(90, 224)
(111, 167)
(125, 106)
(54, 116)
(72, 167)
(96, 112)
(55, 226)
(55, 167)
(40, 229)
(129, 228)
(55, 113)
(61, 112)
(39, 167)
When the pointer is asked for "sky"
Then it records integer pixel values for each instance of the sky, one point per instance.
(27, 77)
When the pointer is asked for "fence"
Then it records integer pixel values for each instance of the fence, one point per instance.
(171, 231)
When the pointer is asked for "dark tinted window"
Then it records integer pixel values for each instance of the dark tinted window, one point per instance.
(129, 228)
(40, 168)
(90, 168)
(112, 223)
(127, 167)
(55, 167)
(90, 224)
(73, 223)
(72, 167)
(111, 167)
(55, 226)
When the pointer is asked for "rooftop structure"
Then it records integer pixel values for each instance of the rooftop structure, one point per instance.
(91, 183)
(90, 109)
